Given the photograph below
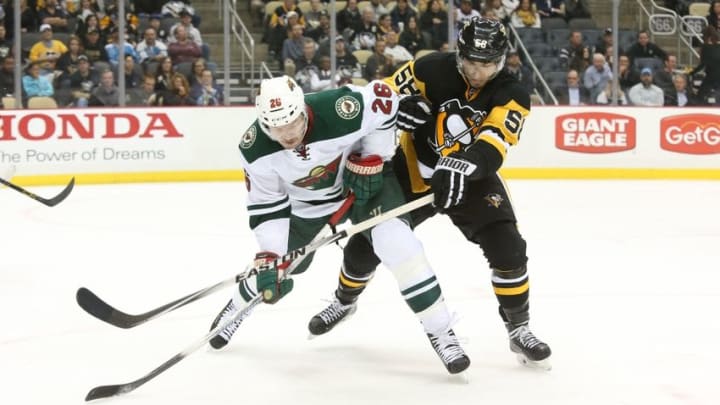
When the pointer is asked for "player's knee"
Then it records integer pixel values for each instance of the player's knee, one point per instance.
(394, 242)
(503, 245)
(358, 256)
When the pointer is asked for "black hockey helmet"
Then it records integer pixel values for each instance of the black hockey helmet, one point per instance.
(482, 40)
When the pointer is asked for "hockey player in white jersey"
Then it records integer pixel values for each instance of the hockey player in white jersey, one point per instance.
(301, 157)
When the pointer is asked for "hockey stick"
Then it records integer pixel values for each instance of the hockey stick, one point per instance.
(95, 306)
(50, 202)
(105, 391)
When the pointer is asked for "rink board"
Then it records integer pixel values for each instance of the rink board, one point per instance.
(201, 144)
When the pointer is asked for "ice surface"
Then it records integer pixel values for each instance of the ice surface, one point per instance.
(625, 288)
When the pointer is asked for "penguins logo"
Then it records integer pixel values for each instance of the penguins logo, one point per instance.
(494, 200)
(456, 127)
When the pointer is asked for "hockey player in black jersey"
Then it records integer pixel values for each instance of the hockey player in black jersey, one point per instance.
(461, 115)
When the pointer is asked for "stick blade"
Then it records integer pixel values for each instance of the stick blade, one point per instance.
(107, 391)
(62, 196)
(95, 306)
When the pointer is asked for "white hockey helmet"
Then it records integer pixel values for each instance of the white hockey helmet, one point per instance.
(279, 102)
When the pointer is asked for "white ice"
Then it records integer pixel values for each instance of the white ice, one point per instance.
(625, 288)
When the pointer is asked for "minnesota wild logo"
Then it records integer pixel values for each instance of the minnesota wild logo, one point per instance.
(347, 107)
(320, 176)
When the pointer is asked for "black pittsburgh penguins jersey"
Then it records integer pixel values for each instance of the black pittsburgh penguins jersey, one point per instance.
(501, 106)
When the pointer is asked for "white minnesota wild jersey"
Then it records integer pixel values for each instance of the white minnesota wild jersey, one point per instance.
(307, 180)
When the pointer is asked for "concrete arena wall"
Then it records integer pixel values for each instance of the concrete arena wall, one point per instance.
(200, 144)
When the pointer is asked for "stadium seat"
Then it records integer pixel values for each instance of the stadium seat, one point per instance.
(362, 55)
(38, 103)
(626, 38)
(699, 9)
(547, 63)
(582, 24)
(531, 35)
(553, 23)
(653, 63)
(559, 37)
(539, 49)
(591, 37)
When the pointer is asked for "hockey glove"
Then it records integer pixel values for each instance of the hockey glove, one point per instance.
(413, 111)
(450, 180)
(268, 281)
(363, 176)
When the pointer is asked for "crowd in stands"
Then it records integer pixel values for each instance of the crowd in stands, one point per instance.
(71, 53)
(71, 49)
(375, 37)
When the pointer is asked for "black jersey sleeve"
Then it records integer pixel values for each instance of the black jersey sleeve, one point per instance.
(502, 127)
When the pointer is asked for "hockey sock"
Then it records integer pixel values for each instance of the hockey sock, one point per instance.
(512, 289)
(245, 293)
(402, 253)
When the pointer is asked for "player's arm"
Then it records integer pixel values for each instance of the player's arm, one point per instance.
(414, 109)
(268, 206)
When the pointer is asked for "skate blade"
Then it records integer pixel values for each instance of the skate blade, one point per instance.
(536, 365)
(461, 378)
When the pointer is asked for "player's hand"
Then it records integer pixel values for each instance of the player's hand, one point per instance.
(270, 283)
(413, 111)
(450, 181)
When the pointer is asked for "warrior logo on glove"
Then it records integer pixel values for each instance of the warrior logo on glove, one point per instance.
(456, 127)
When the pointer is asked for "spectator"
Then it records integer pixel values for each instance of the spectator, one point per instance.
(679, 95)
(346, 61)
(89, 23)
(87, 8)
(627, 75)
(193, 33)
(551, 8)
(206, 93)
(145, 95)
(312, 17)
(82, 81)
(597, 75)
(163, 75)
(177, 95)
(412, 38)
(577, 9)
(53, 15)
(509, 6)
(107, 93)
(94, 48)
(576, 55)
(605, 42)
(385, 25)
(308, 56)
(499, 10)
(133, 73)
(28, 17)
(67, 63)
(109, 23)
(664, 78)
(348, 17)
(5, 45)
(7, 76)
(162, 34)
(646, 93)
(47, 51)
(35, 85)
(397, 52)
(435, 22)
(112, 49)
(183, 49)
(378, 65)
(713, 17)
(525, 16)
(521, 73)
(709, 61)
(606, 96)
(464, 13)
(366, 32)
(380, 7)
(643, 48)
(573, 93)
(292, 48)
(150, 50)
(280, 24)
(321, 33)
(401, 14)
(199, 65)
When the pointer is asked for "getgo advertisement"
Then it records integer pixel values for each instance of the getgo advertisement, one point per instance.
(120, 140)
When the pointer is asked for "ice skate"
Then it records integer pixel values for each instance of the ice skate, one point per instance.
(329, 317)
(531, 351)
(222, 338)
(448, 348)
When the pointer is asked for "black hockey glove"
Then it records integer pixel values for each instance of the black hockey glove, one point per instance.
(413, 111)
(450, 179)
